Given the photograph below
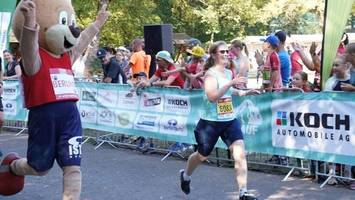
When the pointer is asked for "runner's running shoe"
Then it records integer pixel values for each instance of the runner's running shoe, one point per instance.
(185, 185)
(248, 196)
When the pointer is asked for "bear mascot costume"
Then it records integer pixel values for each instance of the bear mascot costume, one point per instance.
(50, 42)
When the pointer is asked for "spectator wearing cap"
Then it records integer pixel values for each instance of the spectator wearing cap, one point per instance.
(165, 63)
(111, 68)
(284, 58)
(271, 63)
(139, 61)
(191, 43)
(193, 71)
(239, 62)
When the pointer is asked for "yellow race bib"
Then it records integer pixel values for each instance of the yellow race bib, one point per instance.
(225, 108)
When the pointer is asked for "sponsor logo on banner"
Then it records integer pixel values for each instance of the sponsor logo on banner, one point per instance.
(125, 119)
(88, 97)
(10, 107)
(314, 125)
(151, 102)
(173, 125)
(147, 122)
(106, 117)
(127, 100)
(177, 104)
(250, 117)
(10, 91)
(88, 114)
(107, 98)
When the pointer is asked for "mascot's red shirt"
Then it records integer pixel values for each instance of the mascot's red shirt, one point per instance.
(52, 83)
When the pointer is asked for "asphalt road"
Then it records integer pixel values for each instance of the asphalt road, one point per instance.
(129, 175)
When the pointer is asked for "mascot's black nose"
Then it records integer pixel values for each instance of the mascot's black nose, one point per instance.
(75, 31)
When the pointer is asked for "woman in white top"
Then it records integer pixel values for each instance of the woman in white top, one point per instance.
(218, 120)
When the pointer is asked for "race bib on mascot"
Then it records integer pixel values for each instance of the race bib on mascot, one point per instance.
(63, 83)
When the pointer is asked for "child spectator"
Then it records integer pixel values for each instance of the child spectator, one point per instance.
(300, 80)
(340, 75)
(194, 71)
(271, 66)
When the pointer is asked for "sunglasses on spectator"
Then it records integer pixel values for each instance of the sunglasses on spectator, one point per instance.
(223, 51)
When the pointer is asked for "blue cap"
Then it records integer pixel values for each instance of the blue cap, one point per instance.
(101, 53)
(272, 40)
(193, 42)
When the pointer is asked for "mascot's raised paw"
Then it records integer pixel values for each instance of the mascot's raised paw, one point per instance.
(10, 183)
(28, 7)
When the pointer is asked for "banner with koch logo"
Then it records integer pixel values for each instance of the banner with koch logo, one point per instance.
(11, 90)
(317, 126)
(314, 125)
(177, 104)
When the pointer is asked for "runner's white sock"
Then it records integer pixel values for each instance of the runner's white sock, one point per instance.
(242, 191)
(186, 177)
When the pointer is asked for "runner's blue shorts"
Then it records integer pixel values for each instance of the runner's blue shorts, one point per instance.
(208, 132)
(55, 133)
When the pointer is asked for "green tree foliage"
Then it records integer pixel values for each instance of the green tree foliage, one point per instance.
(203, 19)
(295, 16)
(126, 20)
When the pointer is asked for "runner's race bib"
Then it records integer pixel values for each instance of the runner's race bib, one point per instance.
(225, 108)
(63, 83)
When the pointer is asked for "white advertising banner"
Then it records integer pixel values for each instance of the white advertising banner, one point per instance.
(10, 107)
(11, 90)
(88, 114)
(173, 125)
(107, 98)
(127, 100)
(147, 122)
(88, 96)
(314, 125)
(5, 19)
(125, 119)
(152, 102)
(106, 117)
(177, 104)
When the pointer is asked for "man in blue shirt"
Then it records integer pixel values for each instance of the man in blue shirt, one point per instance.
(284, 58)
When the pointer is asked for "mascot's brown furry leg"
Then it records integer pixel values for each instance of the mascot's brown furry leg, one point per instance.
(71, 183)
(20, 167)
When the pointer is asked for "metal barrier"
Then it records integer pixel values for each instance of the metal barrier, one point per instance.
(329, 170)
(334, 171)
(19, 126)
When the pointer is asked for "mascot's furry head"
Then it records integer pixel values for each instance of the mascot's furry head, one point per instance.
(56, 18)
